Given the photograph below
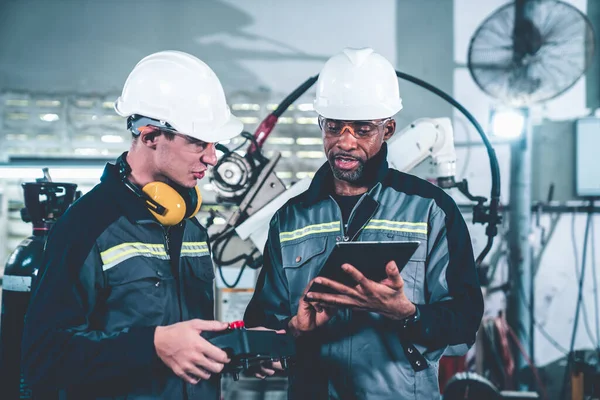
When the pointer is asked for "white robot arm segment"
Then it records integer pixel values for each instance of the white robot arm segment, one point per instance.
(425, 137)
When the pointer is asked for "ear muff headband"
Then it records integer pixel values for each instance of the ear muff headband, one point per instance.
(168, 205)
(193, 201)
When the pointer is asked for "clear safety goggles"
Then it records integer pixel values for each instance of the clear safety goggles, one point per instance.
(137, 123)
(358, 129)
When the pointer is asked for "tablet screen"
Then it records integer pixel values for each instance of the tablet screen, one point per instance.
(370, 258)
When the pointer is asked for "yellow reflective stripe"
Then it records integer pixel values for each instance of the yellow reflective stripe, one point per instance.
(194, 249)
(122, 245)
(136, 252)
(387, 221)
(309, 230)
(397, 226)
(115, 252)
(383, 228)
(125, 251)
(194, 246)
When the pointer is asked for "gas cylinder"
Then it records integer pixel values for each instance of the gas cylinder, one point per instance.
(45, 202)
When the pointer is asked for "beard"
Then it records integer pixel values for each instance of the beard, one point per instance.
(351, 176)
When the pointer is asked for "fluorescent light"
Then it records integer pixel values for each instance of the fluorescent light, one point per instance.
(17, 102)
(245, 107)
(47, 103)
(85, 138)
(49, 117)
(507, 123)
(306, 121)
(45, 137)
(17, 116)
(85, 103)
(248, 120)
(305, 107)
(112, 139)
(310, 154)
(87, 151)
(112, 118)
(57, 174)
(309, 141)
(16, 137)
(280, 140)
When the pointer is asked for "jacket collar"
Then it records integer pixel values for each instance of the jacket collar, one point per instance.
(132, 206)
(321, 186)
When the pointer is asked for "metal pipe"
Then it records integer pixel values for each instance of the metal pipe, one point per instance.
(520, 267)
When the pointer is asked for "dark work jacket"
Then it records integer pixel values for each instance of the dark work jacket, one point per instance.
(108, 279)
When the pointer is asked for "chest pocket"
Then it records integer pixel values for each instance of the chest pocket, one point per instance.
(301, 263)
(198, 279)
(138, 292)
(413, 272)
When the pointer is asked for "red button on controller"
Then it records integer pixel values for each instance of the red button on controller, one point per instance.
(236, 325)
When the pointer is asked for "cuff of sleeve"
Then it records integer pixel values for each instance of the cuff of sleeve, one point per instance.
(140, 347)
(285, 324)
(418, 327)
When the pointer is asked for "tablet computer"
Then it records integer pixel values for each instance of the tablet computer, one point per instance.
(370, 258)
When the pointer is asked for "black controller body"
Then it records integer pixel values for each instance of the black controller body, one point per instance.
(248, 348)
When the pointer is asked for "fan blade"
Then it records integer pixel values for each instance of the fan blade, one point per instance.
(491, 67)
(485, 48)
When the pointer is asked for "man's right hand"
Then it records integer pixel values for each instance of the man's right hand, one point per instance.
(309, 316)
(190, 356)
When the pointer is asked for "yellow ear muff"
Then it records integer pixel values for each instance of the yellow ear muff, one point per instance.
(170, 199)
(195, 192)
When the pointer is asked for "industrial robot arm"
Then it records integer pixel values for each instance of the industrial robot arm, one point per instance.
(424, 138)
(250, 181)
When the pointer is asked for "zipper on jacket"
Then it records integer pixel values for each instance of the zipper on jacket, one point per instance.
(352, 216)
(354, 209)
(167, 241)
(176, 268)
(363, 225)
(344, 237)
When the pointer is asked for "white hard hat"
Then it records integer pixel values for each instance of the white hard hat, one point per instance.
(181, 90)
(357, 84)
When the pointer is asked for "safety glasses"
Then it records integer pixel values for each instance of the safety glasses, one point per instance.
(358, 129)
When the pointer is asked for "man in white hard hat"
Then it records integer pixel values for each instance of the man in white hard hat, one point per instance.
(125, 290)
(373, 340)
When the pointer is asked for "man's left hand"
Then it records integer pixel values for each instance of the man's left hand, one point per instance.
(386, 297)
(267, 368)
